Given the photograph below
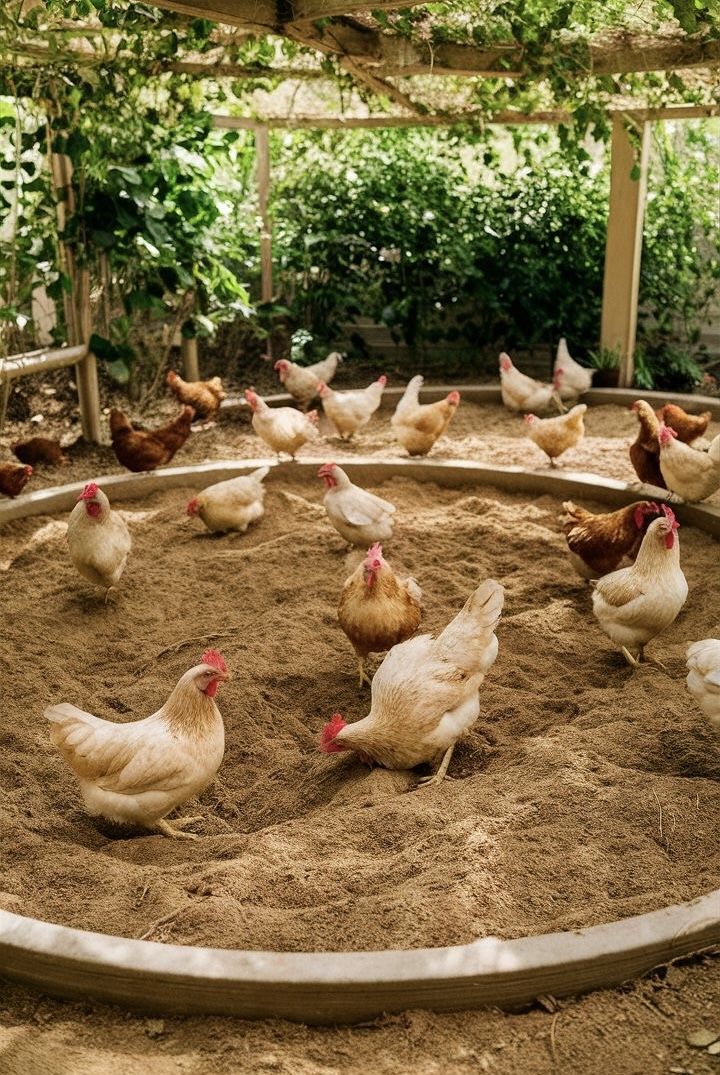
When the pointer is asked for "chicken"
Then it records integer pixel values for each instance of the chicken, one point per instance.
(40, 450)
(703, 678)
(633, 605)
(378, 610)
(425, 694)
(417, 426)
(232, 504)
(688, 472)
(13, 478)
(645, 449)
(572, 378)
(557, 435)
(358, 516)
(140, 450)
(350, 411)
(136, 773)
(282, 428)
(689, 427)
(302, 381)
(98, 539)
(521, 393)
(204, 397)
(598, 543)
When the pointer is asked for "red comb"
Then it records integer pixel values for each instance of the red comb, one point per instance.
(215, 659)
(327, 735)
(670, 516)
(453, 397)
(382, 379)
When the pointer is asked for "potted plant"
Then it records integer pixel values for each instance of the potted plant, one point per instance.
(606, 362)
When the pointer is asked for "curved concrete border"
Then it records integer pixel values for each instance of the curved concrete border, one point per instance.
(490, 393)
(345, 987)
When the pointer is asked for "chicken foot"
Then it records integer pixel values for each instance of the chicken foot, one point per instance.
(439, 776)
(364, 677)
(175, 829)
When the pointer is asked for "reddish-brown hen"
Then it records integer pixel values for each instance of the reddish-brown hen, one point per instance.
(13, 478)
(645, 450)
(687, 426)
(598, 543)
(40, 450)
(204, 397)
(145, 450)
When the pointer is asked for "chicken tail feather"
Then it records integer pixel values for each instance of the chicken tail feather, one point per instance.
(465, 638)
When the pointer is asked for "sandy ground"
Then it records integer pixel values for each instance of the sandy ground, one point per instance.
(485, 433)
(552, 821)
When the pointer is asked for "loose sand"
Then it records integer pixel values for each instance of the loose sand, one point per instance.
(552, 820)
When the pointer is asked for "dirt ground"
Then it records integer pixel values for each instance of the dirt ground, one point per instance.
(552, 821)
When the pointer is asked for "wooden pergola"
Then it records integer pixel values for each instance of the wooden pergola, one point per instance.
(398, 71)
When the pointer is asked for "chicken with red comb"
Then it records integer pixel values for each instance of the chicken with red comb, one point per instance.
(138, 772)
(302, 382)
(425, 694)
(98, 539)
(377, 609)
(598, 543)
(635, 604)
(688, 472)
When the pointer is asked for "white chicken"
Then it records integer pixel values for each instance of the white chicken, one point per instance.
(232, 504)
(138, 772)
(554, 436)
(358, 516)
(572, 379)
(633, 605)
(417, 426)
(350, 411)
(98, 539)
(425, 694)
(689, 472)
(282, 428)
(302, 381)
(522, 393)
(703, 679)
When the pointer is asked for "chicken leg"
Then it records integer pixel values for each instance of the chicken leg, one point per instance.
(439, 776)
(364, 677)
(175, 829)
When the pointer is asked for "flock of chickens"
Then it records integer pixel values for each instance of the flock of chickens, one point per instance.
(425, 693)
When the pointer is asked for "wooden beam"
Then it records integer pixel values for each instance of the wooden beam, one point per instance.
(507, 119)
(253, 15)
(378, 122)
(623, 247)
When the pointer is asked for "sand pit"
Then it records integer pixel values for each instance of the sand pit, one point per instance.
(483, 433)
(585, 793)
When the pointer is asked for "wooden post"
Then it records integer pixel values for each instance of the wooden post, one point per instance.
(623, 247)
(262, 174)
(191, 366)
(77, 304)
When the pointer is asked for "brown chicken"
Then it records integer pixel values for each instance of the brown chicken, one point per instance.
(689, 427)
(40, 450)
(204, 397)
(145, 450)
(13, 478)
(416, 425)
(377, 609)
(645, 449)
(598, 543)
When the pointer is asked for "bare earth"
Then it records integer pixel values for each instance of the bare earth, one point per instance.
(552, 820)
